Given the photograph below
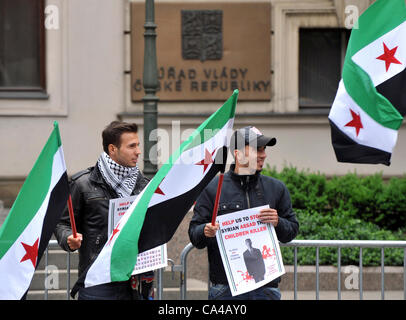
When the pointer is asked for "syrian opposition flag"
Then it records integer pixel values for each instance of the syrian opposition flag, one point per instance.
(28, 227)
(156, 213)
(371, 99)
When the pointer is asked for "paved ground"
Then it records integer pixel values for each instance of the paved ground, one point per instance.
(345, 295)
(194, 285)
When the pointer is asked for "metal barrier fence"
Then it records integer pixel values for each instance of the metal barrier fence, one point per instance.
(317, 244)
(53, 244)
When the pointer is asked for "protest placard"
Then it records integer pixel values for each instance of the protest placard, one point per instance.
(249, 250)
(153, 259)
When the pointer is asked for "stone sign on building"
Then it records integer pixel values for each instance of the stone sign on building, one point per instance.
(205, 50)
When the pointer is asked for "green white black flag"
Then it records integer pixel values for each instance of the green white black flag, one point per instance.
(159, 209)
(371, 99)
(28, 227)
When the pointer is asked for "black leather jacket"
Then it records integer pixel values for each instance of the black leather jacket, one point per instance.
(239, 193)
(90, 199)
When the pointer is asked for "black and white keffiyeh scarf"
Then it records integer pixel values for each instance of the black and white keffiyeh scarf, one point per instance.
(121, 179)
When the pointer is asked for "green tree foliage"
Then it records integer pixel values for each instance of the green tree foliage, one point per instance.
(348, 207)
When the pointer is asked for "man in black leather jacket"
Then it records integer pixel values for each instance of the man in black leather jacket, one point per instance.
(243, 187)
(91, 190)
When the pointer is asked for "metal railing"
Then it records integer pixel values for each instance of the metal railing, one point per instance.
(361, 244)
(317, 244)
(53, 244)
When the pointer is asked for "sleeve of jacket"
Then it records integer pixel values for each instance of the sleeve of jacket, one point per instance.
(202, 215)
(63, 229)
(288, 226)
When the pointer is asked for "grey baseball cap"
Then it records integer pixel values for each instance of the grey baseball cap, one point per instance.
(250, 136)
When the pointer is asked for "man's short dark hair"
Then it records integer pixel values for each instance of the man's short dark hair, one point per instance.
(112, 133)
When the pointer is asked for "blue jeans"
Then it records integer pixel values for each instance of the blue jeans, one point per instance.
(108, 291)
(222, 292)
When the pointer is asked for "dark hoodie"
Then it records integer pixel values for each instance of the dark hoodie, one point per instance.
(240, 192)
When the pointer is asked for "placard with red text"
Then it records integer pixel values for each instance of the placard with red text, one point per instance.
(249, 250)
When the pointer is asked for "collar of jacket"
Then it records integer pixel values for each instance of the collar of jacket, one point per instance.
(96, 177)
(243, 180)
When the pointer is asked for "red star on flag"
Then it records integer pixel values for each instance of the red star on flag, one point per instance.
(389, 56)
(208, 159)
(31, 252)
(159, 190)
(355, 122)
(115, 231)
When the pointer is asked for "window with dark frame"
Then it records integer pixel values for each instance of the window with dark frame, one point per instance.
(22, 49)
(321, 58)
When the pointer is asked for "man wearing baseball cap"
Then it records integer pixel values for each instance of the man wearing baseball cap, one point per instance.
(243, 187)
(247, 145)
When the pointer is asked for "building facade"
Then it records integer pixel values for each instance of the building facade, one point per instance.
(82, 69)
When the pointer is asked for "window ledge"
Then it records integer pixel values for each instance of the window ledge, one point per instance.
(308, 112)
(308, 116)
(24, 95)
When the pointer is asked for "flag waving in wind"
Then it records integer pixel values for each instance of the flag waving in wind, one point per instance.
(371, 99)
(28, 227)
(156, 213)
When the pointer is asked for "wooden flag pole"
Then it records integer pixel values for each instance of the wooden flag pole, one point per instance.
(72, 217)
(216, 204)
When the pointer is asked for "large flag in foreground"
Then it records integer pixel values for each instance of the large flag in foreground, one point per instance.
(28, 227)
(371, 99)
(157, 212)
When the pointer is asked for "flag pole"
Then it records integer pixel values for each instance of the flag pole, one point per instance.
(216, 204)
(70, 206)
(72, 217)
